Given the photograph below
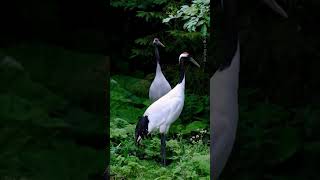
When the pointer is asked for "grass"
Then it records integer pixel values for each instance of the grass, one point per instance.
(187, 151)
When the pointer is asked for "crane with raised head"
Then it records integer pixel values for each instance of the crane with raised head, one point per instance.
(166, 110)
(159, 86)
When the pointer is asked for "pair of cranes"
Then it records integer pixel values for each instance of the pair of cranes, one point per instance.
(167, 103)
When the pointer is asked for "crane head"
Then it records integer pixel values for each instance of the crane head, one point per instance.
(185, 57)
(157, 42)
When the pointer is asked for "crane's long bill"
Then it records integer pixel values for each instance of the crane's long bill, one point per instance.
(194, 62)
(276, 7)
(161, 44)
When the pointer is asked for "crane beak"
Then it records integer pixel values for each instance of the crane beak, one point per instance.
(160, 43)
(194, 62)
(276, 7)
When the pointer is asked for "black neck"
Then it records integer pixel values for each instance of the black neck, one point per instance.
(157, 53)
(182, 71)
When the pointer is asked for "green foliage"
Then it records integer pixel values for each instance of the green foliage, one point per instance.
(61, 168)
(283, 135)
(41, 124)
(272, 137)
(148, 16)
(195, 105)
(287, 144)
(154, 12)
(188, 160)
(139, 87)
(64, 72)
(136, 4)
(196, 16)
(142, 8)
(194, 126)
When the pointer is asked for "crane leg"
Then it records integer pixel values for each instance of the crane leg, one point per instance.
(163, 149)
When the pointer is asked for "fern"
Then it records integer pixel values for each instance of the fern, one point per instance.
(149, 16)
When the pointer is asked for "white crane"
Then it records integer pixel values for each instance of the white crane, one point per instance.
(163, 112)
(224, 91)
(159, 86)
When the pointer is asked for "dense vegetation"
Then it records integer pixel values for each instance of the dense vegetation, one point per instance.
(52, 91)
(279, 101)
(188, 138)
(52, 110)
(49, 125)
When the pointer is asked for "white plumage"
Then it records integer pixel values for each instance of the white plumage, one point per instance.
(163, 112)
(166, 110)
(159, 86)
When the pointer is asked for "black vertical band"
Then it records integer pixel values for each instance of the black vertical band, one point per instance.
(156, 50)
(181, 70)
(230, 34)
(224, 32)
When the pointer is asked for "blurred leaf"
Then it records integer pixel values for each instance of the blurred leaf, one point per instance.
(287, 143)
(194, 126)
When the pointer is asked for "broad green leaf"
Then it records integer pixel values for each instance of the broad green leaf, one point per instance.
(194, 126)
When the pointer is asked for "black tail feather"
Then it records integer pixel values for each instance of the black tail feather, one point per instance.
(142, 128)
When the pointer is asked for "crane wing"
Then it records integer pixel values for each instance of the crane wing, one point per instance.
(164, 112)
(159, 87)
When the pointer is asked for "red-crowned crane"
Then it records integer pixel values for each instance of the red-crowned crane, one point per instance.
(166, 110)
(224, 90)
(159, 86)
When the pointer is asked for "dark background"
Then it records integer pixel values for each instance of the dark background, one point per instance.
(78, 25)
(53, 109)
(277, 136)
(62, 47)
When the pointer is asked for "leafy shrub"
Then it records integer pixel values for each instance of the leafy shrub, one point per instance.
(186, 160)
(197, 15)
